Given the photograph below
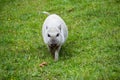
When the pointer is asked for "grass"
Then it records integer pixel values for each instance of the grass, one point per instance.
(91, 52)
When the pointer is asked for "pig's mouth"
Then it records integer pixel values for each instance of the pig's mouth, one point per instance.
(53, 45)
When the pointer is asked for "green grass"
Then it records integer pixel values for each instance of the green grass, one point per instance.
(91, 52)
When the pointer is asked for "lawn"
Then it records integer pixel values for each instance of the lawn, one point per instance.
(91, 52)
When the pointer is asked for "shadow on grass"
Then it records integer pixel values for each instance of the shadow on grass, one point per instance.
(65, 52)
(44, 53)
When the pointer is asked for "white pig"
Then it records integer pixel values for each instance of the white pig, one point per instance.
(55, 33)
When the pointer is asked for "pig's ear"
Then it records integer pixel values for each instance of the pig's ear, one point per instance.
(59, 27)
(46, 27)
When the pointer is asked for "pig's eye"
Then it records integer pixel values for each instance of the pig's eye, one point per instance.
(48, 35)
(57, 35)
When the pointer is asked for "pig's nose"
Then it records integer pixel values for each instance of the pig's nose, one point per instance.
(53, 41)
(53, 45)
